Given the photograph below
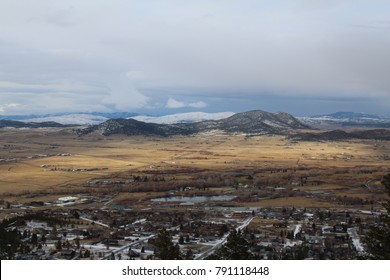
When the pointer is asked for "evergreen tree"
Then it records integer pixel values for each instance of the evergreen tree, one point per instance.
(59, 245)
(235, 248)
(43, 239)
(34, 239)
(77, 242)
(378, 239)
(189, 255)
(165, 249)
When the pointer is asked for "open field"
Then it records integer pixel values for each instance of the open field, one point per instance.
(113, 193)
(52, 161)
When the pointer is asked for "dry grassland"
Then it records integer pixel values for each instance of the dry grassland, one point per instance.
(290, 202)
(93, 157)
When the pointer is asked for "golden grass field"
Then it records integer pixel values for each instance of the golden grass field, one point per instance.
(111, 155)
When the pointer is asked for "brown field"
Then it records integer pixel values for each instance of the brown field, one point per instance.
(32, 163)
(290, 202)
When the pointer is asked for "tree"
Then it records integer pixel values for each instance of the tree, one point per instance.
(77, 242)
(378, 239)
(59, 245)
(165, 249)
(34, 239)
(43, 239)
(189, 255)
(235, 248)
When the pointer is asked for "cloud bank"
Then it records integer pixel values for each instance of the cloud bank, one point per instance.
(124, 55)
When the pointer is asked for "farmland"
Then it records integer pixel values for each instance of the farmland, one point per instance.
(118, 180)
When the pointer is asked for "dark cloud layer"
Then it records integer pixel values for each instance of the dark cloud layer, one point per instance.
(69, 56)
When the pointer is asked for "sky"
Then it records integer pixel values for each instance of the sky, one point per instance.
(305, 57)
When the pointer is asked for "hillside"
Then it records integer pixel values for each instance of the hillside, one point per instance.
(347, 119)
(18, 124)
(184, 117)
(133, 127)
(340, 135)
(252, 122)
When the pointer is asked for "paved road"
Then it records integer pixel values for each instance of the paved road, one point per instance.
(96, 222)
(116, 251)
(222, 241)
(200, 257)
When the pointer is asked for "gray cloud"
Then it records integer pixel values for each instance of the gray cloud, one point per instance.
(124, 55)
(175, 104)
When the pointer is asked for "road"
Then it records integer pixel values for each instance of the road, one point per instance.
(355, 240)
(141, 240)
(222, 241)
(118, 250)
(96, 222)
(200, 257)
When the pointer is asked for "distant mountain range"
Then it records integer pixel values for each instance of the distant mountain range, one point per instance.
(184, 117)
(252, 122)
(328, 121)
(18, 124)
(347, 119)
(70, 118)
(96, 118)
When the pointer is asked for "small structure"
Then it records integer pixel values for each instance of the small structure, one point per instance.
(67, 199)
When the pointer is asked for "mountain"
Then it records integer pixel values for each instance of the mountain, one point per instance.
(18, 124)
(347, 119)
(70, 118)
(184, 117)
(133, 127)
(348, 115)
(259, 121)
(252, 122)
(76, 119)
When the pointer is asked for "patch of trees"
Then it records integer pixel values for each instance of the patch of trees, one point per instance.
(235, 248)
(13, 241)
(378, 239)
(165, 249)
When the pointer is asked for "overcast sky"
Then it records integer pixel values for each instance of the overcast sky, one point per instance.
(151, 56)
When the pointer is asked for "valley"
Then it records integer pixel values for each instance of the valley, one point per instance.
(111, 195)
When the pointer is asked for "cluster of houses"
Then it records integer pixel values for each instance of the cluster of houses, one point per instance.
(124, 233)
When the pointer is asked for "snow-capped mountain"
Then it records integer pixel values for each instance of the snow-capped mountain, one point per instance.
(255, 122)
(347, 119)
(70, 118)
(79, 119)
(184, 117)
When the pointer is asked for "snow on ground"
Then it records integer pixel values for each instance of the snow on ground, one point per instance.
(297, 229)
(33, 224)
(355, 240)
(289, 243)
(216, 244)
(184, 117)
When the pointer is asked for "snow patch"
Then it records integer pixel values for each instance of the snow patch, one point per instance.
(184, 117)
(297, 229)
